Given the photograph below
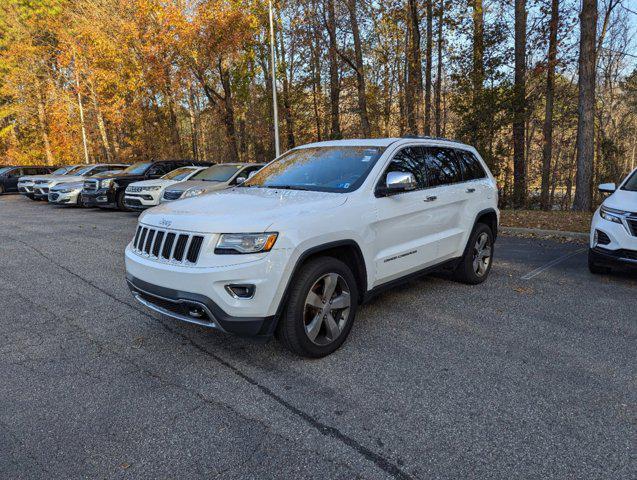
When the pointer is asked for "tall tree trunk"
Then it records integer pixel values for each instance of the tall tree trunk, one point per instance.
(547, 150)
(194, 124)
(360, 70)
(228, 115)
(287, 106)
(477, 75)
(413, 98)
(81, 109)
(586, 106)
(428, 67)
(519, 106)
(317, 89)
(43, 122)
(335, 81)
(101, 126)
(438, 85)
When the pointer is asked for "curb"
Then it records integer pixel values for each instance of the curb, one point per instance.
(544, 233)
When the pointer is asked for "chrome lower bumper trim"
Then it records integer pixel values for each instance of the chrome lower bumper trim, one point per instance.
(184, 318)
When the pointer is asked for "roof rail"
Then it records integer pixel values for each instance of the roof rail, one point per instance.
(424, 137)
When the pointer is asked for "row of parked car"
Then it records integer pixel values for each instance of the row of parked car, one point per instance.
(125, 187)
(293, 248)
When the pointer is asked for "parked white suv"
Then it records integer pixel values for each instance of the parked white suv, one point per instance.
(295, 249)
(147, 193)
(613, 241)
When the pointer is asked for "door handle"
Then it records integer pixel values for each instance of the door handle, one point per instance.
(431, 199)
(471, 190)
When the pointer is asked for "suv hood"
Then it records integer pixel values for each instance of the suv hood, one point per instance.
(239, 210)
(207, 186)
(153, 183)
(622, 200)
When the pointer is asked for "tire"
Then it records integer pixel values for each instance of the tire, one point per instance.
(468, 270)
(305, 327)
(593, 267)
(120, 202)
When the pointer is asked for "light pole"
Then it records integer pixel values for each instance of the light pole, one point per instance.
(275, 107)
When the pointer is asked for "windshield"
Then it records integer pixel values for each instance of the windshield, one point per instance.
(179, 174)
(138, 168)
(84, 170)
(4, 169)
(631, 183)
(217, 173)
(61, 171)
(324, 169)
(73, 170)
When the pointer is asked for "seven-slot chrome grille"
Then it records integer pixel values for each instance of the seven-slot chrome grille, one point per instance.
(166, 245)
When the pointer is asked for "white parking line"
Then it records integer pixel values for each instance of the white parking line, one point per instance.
(543, 268)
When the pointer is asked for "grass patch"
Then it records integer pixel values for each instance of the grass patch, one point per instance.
(565, 221)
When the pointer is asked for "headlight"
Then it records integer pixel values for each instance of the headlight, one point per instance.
(66, 190)
(151, 189)
(611, 214)
(193, 192)
(106, 183)
(236, 243)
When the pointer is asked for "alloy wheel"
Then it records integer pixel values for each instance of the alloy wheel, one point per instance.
(482, 254)
(326, 309)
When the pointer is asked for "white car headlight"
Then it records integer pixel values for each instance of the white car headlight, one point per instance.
(193, 192)
(151, 189)
(611, 214)
(238, 243)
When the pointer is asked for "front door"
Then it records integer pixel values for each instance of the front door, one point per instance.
(405, 231)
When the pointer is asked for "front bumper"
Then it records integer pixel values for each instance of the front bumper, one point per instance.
(98, 198)
(615, 258)
(140, 201)
(168, 281)
(197, 309)
(40, 193)
(63, 198)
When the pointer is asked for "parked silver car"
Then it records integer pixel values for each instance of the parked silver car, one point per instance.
(217, 177)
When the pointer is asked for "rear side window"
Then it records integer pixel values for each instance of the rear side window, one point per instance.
(442, 166)
(472, 169)
(408, 160)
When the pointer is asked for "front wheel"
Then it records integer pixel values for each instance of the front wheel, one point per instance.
(321, 308)
(475, 265)
(120, 202)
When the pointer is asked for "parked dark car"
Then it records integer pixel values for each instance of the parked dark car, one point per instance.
(107, 190)
(9, 176)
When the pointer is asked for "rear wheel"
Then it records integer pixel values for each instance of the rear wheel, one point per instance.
(321, 308)
(475, 265)
(593, 266)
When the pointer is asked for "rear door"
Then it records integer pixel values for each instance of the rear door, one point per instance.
(405, 229)
(12, 177)
(445, 182)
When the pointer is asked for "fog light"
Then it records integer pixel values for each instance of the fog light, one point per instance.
(240, 291)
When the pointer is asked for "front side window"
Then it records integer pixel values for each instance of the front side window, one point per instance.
(442, 166)
(471, 165)
(85, 170)
(217, 173)
(631, 184)
(337, 169)
(178, 174)
(4, 170)
(408, 160)
(74, 170)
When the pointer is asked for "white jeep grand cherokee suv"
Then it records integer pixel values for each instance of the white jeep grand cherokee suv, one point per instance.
(613, 241)
(296, 249)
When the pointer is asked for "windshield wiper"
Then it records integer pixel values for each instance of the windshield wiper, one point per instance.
(288, 187)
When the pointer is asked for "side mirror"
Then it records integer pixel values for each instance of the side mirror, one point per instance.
(607, 188)
(398, 182)
(240, 180)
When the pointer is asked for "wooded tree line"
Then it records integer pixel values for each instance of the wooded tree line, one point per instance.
(546, 90)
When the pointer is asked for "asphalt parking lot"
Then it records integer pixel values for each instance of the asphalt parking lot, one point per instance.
(530, 375)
